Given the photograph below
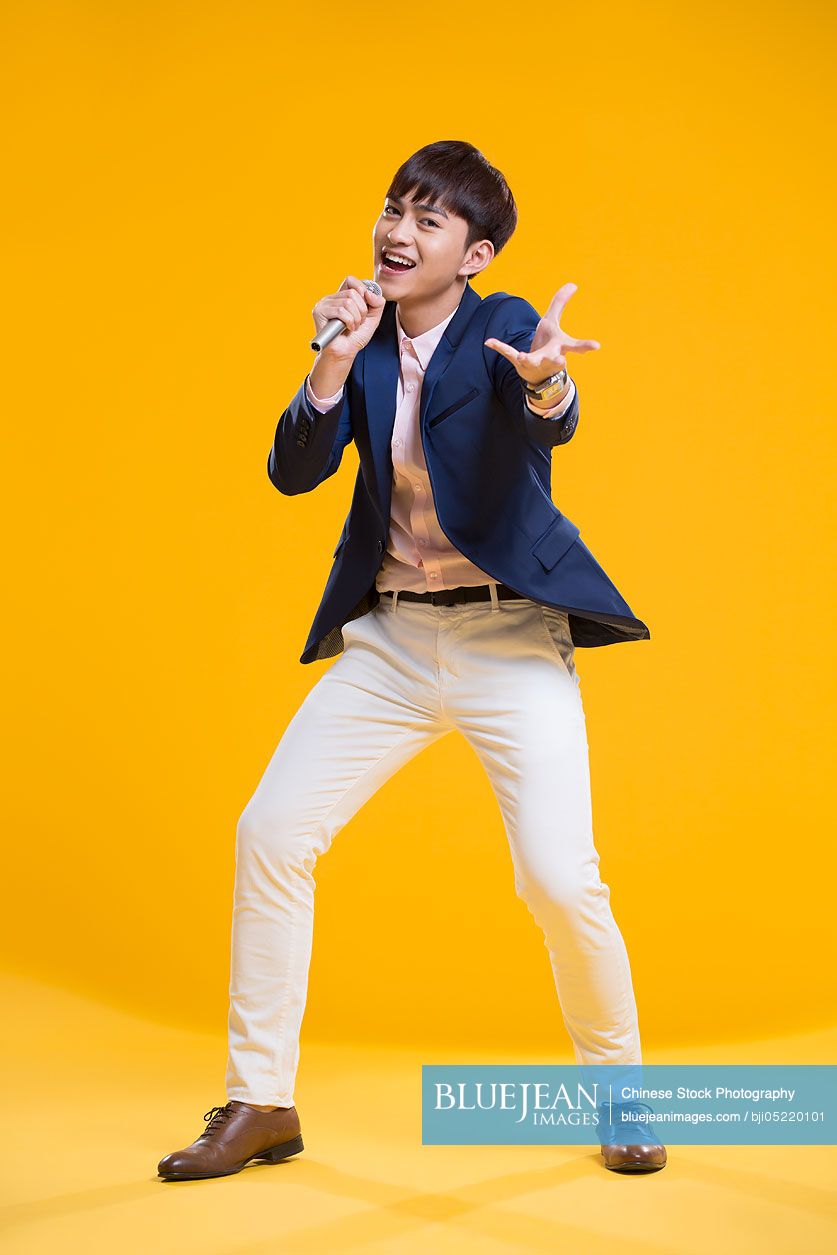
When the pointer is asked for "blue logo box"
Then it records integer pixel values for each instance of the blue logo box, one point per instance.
(675, 1104)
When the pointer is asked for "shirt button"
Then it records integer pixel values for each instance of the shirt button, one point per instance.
(433, 575)
(417, 487)
(411, 387)
(398, 443)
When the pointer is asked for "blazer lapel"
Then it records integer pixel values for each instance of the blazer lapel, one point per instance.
(381, 366)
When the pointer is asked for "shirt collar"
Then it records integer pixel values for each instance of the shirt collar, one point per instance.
(425, 344)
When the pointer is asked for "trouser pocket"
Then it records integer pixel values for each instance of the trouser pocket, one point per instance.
(557, 626)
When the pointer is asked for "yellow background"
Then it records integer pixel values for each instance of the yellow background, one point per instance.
(183, 182)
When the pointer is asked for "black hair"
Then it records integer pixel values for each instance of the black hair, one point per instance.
(456, 176)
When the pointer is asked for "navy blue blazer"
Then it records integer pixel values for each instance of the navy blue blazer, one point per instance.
(489, 462)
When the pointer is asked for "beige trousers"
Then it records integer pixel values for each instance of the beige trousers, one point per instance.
(501, 672)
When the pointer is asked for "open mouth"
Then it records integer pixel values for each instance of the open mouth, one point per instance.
(390, 266)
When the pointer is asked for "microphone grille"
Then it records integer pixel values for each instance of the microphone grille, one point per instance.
(373, 286)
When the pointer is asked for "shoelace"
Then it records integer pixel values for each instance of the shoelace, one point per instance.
(216, 1117)
(634, 1106)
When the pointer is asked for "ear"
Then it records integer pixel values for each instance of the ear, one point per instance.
(480, 255)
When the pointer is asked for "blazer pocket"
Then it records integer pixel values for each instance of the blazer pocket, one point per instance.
(451, 409)
(552, 544)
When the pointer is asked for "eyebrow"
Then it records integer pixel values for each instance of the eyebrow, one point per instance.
(433, 209)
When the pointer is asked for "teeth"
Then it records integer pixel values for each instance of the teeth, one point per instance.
(389, 255)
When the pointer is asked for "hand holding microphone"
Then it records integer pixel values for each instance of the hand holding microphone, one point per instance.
(346, 321)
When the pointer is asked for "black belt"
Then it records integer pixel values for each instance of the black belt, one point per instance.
(450, 596)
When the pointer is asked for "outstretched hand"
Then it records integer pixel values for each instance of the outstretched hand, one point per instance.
(550, 343)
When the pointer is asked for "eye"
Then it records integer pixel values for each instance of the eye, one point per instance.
(432, 221)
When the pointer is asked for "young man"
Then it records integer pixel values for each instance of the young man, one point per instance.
(456, 600)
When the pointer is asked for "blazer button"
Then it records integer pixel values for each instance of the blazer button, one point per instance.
(301, 444)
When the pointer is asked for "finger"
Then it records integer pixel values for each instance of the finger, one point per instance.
(549, 363)
(365, 295)
(348, 313)
(505, 349)
(581, 346)
(559, 300)
(351, 281)
(359, 303)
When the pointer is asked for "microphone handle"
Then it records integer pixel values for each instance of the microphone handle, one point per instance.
(335, 325)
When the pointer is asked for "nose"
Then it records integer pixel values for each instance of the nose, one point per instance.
(397, 235)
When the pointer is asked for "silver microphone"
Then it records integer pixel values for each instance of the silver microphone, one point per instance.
(335, 325)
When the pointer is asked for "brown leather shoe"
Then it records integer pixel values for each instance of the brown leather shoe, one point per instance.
(629, 1145)
(234, 1135)
(634, 1158)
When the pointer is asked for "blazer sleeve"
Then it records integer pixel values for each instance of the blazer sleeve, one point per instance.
(309, 442)
(515, 322)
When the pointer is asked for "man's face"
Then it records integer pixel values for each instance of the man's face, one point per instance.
(429, 236)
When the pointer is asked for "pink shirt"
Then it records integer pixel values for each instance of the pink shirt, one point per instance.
(419, 555)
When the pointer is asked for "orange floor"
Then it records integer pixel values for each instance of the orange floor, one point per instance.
(94, 1098)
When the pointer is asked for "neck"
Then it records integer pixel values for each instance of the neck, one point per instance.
(420, 314)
